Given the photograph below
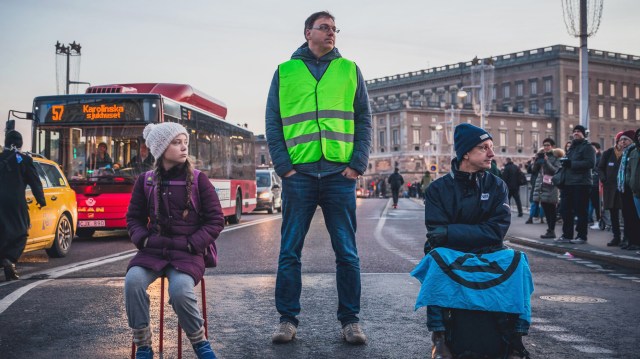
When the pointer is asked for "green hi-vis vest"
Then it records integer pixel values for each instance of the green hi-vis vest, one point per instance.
(317, 116)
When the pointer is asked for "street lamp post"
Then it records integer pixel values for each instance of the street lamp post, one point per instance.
(72, 49)
(482, 79)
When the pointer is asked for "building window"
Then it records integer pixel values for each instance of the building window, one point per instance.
(549, 125)
(624, 90)
(570, 107)
(637, 113)
(506, 91)
(533, 107)
(381, 121)
(494, 90)
(570, 84)
(416, 119)
(519, 89)
(396, 137)
(612, 89)
(600, 110)
(548, 107)
(503, 139)
(535, 140)
(547, 85)
(625, 112)
(520, 107)
(637, 92)
(533, 87)
(600, 88)
(613, 111)
(394, 119)
(534, 124)
(519, 139)
(416, 135)
(381, 138)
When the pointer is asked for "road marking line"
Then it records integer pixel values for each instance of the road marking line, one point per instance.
(377, 233)
(591, 349)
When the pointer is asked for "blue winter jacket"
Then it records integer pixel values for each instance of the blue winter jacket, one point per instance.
(473, 206)
(362, 117)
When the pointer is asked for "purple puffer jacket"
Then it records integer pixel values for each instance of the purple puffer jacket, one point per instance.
(197, 230)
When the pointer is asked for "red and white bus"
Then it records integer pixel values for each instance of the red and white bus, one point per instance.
(69, 128)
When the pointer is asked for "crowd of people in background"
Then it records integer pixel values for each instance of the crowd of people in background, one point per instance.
(600, 191)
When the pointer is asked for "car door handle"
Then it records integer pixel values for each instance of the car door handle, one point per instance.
(29, 200)
(53, 198)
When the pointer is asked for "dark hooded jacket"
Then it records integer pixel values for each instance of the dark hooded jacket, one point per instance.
(583, 160)
(473, 206)
(171, 247)
(362, 122)
(14, 213)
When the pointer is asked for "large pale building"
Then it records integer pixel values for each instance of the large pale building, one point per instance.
(534, 95)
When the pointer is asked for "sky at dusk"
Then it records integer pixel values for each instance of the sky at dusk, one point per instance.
(230, 49)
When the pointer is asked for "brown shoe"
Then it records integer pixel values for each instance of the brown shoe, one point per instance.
(285, 333)
(439, 350)
(353, 334)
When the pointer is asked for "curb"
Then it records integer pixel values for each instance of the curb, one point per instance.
(632, 262)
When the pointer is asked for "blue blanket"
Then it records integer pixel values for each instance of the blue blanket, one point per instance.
(499, 282)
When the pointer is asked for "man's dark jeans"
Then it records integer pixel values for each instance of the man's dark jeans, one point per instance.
(515, 193)
(335, 194)
(395, 192)
(575, 202)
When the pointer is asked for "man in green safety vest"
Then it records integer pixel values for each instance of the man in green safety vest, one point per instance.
(318, 127)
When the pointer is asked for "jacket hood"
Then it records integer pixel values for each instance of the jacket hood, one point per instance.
(305, 54)
(558, 152)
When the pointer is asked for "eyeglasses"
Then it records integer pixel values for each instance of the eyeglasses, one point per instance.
(484, 148)
(326, 28)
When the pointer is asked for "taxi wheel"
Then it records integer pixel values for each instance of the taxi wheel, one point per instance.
(63, 238)
(270, 209)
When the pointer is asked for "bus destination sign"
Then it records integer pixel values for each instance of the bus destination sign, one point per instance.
(123, 110)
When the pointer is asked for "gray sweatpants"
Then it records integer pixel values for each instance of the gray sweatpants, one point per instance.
(181, 297)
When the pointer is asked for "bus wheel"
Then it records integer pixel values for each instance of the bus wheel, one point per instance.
(62, 239)
(235, 219)
(85, 233)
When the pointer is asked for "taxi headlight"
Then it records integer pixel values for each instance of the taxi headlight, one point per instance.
(265, 195)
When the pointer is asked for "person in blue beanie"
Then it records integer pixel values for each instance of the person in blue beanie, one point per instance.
(468, 210)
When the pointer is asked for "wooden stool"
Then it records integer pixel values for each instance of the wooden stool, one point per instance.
(204, 315)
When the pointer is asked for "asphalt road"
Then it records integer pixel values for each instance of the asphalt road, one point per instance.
(73, 307)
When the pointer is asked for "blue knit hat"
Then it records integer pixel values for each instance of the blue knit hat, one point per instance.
(466, 136)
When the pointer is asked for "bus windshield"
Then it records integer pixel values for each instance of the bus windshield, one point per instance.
(96, 137)
(104, 154)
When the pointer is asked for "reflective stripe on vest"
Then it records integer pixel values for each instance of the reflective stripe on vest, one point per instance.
(317, 116)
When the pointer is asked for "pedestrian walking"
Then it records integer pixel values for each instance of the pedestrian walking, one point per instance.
(468, 211)
(173, 233)
(318, 125)
(608, 169)
(425, 182)
(578, 165)
(395, 181)
(16, 173)
(544, 190)
(511, 175)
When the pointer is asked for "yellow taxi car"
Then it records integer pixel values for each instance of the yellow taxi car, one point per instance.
(52, 226)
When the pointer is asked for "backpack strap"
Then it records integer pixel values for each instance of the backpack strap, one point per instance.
(150, 185)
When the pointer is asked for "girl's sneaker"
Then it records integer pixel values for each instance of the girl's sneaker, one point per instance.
(203, 350)
(144, 352)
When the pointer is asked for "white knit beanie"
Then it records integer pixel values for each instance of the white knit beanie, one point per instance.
(159, 136)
